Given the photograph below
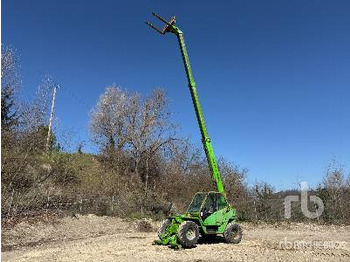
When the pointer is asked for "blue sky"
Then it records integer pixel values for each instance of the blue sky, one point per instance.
(273, 76)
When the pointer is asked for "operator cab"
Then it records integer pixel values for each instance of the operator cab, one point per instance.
(207, 203)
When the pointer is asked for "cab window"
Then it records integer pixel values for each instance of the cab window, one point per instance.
(196, 203)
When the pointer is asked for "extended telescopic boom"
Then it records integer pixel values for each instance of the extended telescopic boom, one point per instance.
(208, 148)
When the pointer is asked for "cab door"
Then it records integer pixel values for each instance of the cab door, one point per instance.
(214, 210)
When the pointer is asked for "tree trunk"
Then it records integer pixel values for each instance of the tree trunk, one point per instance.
(146, 184)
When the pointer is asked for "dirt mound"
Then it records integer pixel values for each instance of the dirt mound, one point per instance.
(146, 226)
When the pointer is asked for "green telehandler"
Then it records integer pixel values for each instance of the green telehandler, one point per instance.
(209, 213)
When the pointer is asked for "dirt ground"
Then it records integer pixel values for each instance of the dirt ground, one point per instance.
(92, 238)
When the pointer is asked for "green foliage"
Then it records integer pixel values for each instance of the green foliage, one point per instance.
(9, 84)
(8, 114)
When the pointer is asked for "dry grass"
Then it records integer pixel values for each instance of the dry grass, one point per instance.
(93, 238)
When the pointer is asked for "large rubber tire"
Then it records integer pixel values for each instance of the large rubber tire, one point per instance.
(233, 233)
(163, 227)
(188, 234)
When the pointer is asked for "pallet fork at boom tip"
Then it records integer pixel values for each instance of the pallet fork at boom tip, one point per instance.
(168, 27)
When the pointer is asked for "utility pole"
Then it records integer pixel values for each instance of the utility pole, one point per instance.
(47, 147)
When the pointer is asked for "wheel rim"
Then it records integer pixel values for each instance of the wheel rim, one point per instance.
(190, 234)
(235, 235)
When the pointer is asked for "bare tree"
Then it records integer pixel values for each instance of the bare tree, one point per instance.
(182, 155)
(108, 122)
(149, 130)
(34, 114)
(124, 123)
(108, 119)
(335, 193)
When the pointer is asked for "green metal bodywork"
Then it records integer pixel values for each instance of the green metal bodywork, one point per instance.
(208, 148)
(211, 223)
(217, 221)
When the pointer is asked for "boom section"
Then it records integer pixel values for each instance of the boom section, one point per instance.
(208, 147)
